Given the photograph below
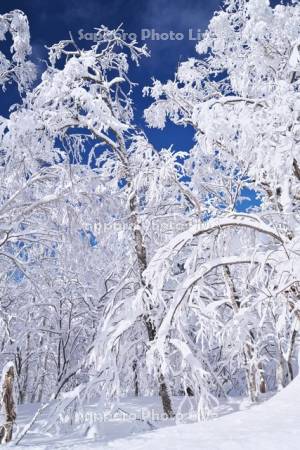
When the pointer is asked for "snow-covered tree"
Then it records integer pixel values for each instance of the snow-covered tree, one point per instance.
(126, 269)
(240, 95)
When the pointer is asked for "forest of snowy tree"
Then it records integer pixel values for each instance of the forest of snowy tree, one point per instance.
(132, 271)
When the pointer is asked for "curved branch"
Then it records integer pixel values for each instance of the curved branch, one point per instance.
(179, 241)
(190, 281)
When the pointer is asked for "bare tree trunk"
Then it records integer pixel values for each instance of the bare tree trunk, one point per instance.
(290, 354)
(281, 372)
(8, 403)
(262, 381)
(135, 378)
(163, 388)
(165, 397)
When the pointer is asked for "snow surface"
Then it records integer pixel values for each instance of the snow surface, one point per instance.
(272, 425)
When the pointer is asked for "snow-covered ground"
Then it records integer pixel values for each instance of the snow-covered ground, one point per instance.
(272, 425)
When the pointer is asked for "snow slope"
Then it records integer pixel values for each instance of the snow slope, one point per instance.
(273, 425)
